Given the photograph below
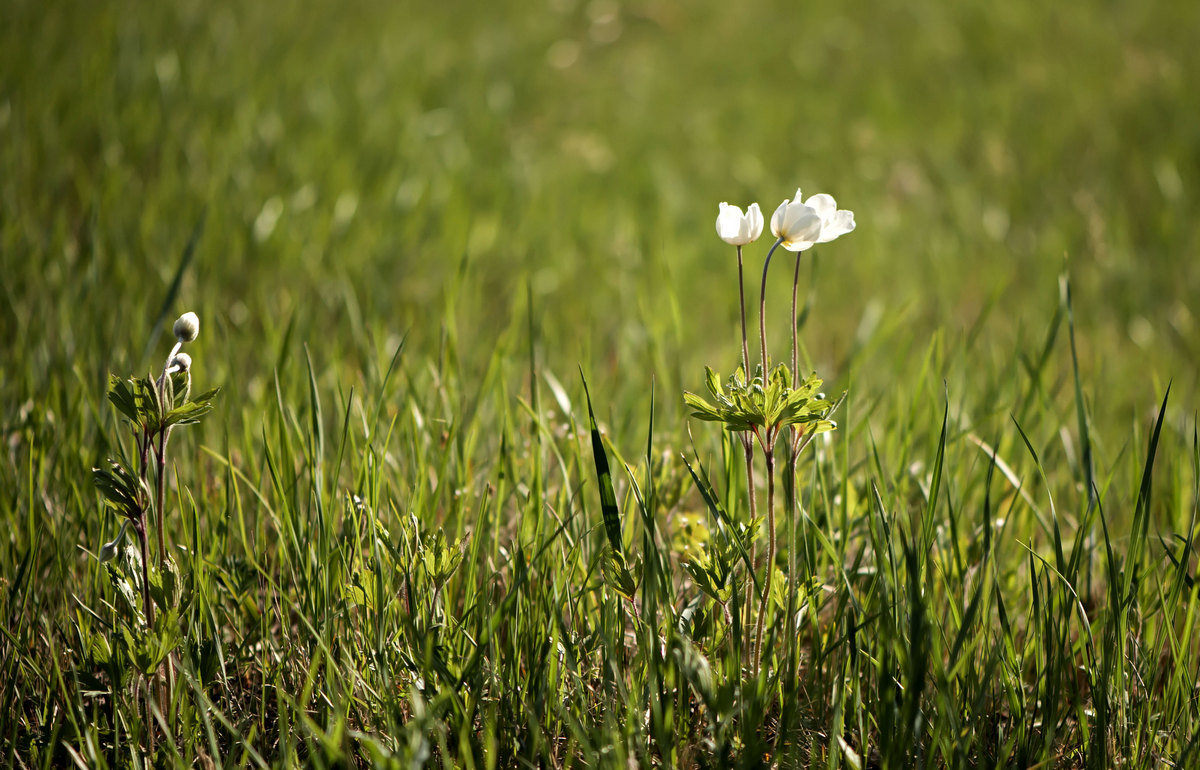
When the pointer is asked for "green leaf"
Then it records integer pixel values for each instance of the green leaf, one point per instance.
(701, 409)
(172, 583)
(711, 575)
(725, 523)
(696, 670)
(100, 649)
(122, 397)
(120, 488)
(713, 381)
(617, 574)
(192, 411)
(126, 597)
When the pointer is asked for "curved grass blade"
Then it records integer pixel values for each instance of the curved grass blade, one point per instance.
(1139, 530)
(1086, 460)
(608, 496)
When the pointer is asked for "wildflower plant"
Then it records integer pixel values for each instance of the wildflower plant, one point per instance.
(770, 402)
(153, 407)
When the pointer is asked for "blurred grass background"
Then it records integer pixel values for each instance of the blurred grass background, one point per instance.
(347, 160)
(358, 173)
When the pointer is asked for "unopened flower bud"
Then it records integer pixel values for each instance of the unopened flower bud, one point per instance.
(108, 551)
(187, 326)
(181, 363)
(736, 228)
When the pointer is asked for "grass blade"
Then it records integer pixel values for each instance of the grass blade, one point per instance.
(608, 496)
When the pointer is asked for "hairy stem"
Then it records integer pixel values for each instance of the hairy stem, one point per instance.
(748, 445)
(747, 441)
(139, 527)
(795, 320)
(160, 466)
(766, 591)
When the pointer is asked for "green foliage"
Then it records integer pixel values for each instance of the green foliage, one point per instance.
(139, 400)
(121, 489)
(743, 405)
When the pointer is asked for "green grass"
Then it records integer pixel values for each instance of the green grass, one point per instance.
(407, 228)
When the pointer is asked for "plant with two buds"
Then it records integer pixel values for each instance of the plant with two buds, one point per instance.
(153, 406)
(770, 404)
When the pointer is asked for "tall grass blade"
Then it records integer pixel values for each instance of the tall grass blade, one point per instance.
(608, 495)
(1141, 512)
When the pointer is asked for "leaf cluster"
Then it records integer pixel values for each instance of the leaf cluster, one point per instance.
(154, 410)
(757, 404)
(121, 489)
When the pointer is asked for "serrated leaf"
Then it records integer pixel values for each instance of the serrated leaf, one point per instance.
(122, 397)
(700, 577)
(100, 649)
(354, 594)
(710, 578)
(187, 414)
(206, 397)
(119, 487)
(713, 381)
(172, 583)
(702, 410)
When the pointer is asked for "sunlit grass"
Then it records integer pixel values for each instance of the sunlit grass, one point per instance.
(409, 229)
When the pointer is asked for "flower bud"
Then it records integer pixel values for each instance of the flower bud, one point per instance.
(181, 363)
(736, 228)
(187, 327)
(108, 551)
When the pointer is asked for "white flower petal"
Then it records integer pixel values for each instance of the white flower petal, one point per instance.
(840, 223)
(823, 204)
(777, 219)
(728, 221)
(754, 221)
(798, 245)
(801, 229)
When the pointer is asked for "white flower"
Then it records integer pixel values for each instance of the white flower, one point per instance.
(798, 224)
(833, 221)
(736, 228)
(187, 326)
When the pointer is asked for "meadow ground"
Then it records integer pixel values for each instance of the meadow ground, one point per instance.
(408, 229)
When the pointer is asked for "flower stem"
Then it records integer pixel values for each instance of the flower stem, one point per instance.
(139, 527)
(160, 466)
(747, 441)
(762, 312)
(748, 445)
(795, 320)
(766, 592)
(742, 304)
